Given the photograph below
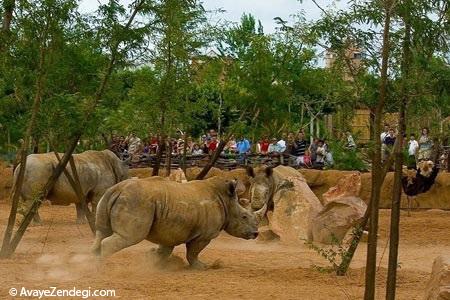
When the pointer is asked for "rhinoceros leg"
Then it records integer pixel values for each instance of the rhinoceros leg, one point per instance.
(164, 252)
(81, 217)
(193, 249)
(115, 243)
(37, 219)
(128, 226)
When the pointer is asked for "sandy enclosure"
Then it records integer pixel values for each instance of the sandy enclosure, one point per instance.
(57, 254)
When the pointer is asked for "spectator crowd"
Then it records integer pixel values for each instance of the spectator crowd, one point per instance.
(290, 148)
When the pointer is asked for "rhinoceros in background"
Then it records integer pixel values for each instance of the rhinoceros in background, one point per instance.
(97, 170)
(292, 206)
(169, 214)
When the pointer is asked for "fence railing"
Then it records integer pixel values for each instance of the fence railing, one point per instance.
(225, 162)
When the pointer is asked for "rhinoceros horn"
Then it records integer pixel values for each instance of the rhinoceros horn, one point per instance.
(260, 213)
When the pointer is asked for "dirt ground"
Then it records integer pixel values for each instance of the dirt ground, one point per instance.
(57, 254)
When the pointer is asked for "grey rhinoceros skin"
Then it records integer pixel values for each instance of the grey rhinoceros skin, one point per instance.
(169, 213)
(97, 171)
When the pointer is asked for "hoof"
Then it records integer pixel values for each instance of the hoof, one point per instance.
(36, 223)
(81, 221)
(199, 266)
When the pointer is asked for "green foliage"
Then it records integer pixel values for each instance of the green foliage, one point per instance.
(336, 253)
(256, 83)
(347, 159)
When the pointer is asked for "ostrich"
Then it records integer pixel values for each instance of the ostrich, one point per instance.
(420, 181)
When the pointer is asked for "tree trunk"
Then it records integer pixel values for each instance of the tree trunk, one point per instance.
(213, 159)
(168, 156)
(220, 147)
(9, 246)
(395, 210)
(302, 114)
(219, 118)
(184, 165)
(317, 127)
(8, 9)
(41, 197)
(35, 145)
(5, 250)
(159, 152)
(397, 189)
(369, 292)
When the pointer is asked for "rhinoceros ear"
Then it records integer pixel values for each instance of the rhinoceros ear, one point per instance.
(231, 187)
(250, 171)
(268, 171)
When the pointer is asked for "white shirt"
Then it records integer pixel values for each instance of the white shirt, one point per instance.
(412, 147)
(282, 144)
(383, 135)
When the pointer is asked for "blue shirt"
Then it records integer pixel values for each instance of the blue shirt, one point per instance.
(243, 146)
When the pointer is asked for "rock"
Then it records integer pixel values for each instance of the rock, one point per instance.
(437, 197)
(438, 287)
(191, 173)
(294, 208)
(140, 172)
(343, 209)
(347, 186)
(337, 218)
(266, 234)
(177, 175)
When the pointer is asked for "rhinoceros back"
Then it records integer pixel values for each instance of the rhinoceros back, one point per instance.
(97, 171)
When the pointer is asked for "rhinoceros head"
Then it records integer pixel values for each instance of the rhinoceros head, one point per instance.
(241, 222)
(262, 187)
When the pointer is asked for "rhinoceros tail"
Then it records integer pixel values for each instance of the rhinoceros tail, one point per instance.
(102, 218)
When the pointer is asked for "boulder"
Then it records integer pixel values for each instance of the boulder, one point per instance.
(337, 218)
(437, 197)
(177, 175)
(191, 173)
(295, 207)
(343, 209)
(438, 287)
(347, 186)
(140, 172)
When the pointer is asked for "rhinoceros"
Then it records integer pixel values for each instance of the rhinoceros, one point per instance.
(97, 171)
(169, 213)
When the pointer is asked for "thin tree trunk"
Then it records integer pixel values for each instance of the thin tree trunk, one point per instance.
(9, 246)
(369, 292)
(356, 238)
(214, 158)
(219, 149)
(24, 151)
(395, 210)
(397, 189)
(184, 165)
(219, 118)
(8, 9)
(35, 145)
(41, 197)
(159, 152)
(168, 156)
(317, 127)
(302, 114)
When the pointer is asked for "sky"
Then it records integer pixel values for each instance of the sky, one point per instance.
(264, 10)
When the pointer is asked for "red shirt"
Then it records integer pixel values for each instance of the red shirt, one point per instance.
(212, 146)
(264, 146)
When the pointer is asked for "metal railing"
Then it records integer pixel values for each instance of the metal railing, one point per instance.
(225, 161)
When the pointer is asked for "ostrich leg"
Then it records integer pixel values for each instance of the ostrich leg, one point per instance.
(409, 198)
